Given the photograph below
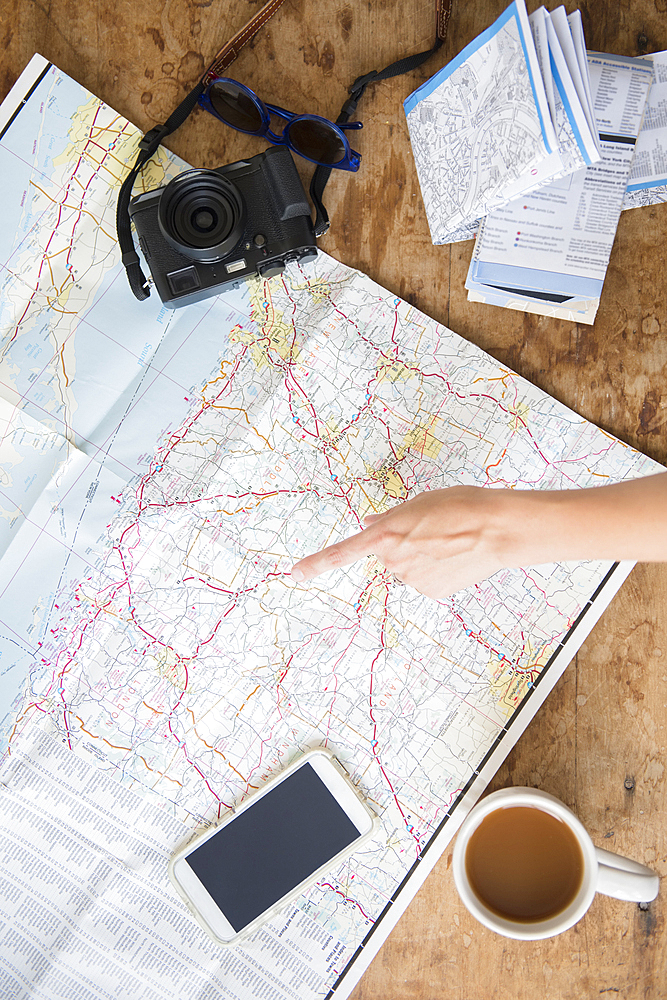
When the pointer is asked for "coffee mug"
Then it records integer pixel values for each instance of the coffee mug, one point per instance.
(525, 867)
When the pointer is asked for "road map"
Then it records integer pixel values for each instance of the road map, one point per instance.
(479, 125)
(161, 472)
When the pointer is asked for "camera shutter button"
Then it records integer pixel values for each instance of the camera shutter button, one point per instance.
(271, 270)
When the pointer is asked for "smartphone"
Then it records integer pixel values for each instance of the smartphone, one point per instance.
(300, 825)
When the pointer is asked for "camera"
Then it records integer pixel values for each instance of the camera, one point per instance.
(206, 230)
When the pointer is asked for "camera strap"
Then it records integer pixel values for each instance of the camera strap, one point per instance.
(150, 142)
(356, 91)
(147, 147)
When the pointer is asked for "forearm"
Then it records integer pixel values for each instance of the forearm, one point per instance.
(622, 521)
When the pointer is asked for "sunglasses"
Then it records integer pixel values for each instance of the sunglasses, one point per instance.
(315, 138)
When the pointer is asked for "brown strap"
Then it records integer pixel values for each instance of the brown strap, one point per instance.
(231, 49)
(443, 12)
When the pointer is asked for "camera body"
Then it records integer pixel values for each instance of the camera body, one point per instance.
(207, 230)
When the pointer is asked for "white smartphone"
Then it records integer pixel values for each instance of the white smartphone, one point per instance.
(301, 824)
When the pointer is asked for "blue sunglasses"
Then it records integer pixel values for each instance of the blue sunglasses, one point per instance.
(315, 138)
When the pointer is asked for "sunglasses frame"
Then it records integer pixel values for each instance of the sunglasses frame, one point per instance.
(350, 161)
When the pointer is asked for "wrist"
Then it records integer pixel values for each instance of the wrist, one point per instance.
(542, 526)
(618, 521)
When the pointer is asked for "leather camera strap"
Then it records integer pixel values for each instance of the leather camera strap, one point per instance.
(229, 52)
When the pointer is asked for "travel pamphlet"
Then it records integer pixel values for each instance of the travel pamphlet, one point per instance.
(547, 252)
(647, 184)
(509, 114)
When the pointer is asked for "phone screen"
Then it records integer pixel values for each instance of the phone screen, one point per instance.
(272, 846)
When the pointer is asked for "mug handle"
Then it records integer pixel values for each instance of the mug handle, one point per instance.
(624, 879)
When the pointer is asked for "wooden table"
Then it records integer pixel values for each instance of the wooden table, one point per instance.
(599, 742)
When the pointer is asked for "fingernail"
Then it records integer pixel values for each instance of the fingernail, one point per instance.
(298, 574)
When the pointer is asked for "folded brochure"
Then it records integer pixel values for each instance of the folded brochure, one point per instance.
(547, 252)
(509, 114)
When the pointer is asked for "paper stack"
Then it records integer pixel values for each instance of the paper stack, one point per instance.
(526, 141)
(509, 114)
(548, 251)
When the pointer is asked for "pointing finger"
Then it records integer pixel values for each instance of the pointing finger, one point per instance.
(334, 556)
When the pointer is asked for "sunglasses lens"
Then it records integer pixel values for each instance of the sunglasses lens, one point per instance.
(235, 107)
(317, 140)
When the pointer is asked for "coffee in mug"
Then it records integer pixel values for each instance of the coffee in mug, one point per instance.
(524, 864)
(526, 868)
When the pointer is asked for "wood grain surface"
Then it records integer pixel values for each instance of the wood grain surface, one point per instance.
(599, 741)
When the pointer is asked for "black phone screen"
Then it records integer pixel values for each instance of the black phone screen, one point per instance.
(272, 846)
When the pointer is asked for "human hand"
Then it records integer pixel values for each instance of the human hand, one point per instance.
(438, 542)
(444, 540)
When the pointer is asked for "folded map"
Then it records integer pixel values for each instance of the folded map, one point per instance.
(508, 115)
(547, 252)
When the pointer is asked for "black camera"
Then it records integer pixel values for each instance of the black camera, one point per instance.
(208, 229)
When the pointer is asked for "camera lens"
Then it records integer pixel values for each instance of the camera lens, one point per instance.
(204, 221)
(202, 215)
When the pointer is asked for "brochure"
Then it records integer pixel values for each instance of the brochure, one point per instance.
(508, 115)
(648, 175)
(548, 252)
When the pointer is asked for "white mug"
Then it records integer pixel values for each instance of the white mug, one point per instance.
(603, 871)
